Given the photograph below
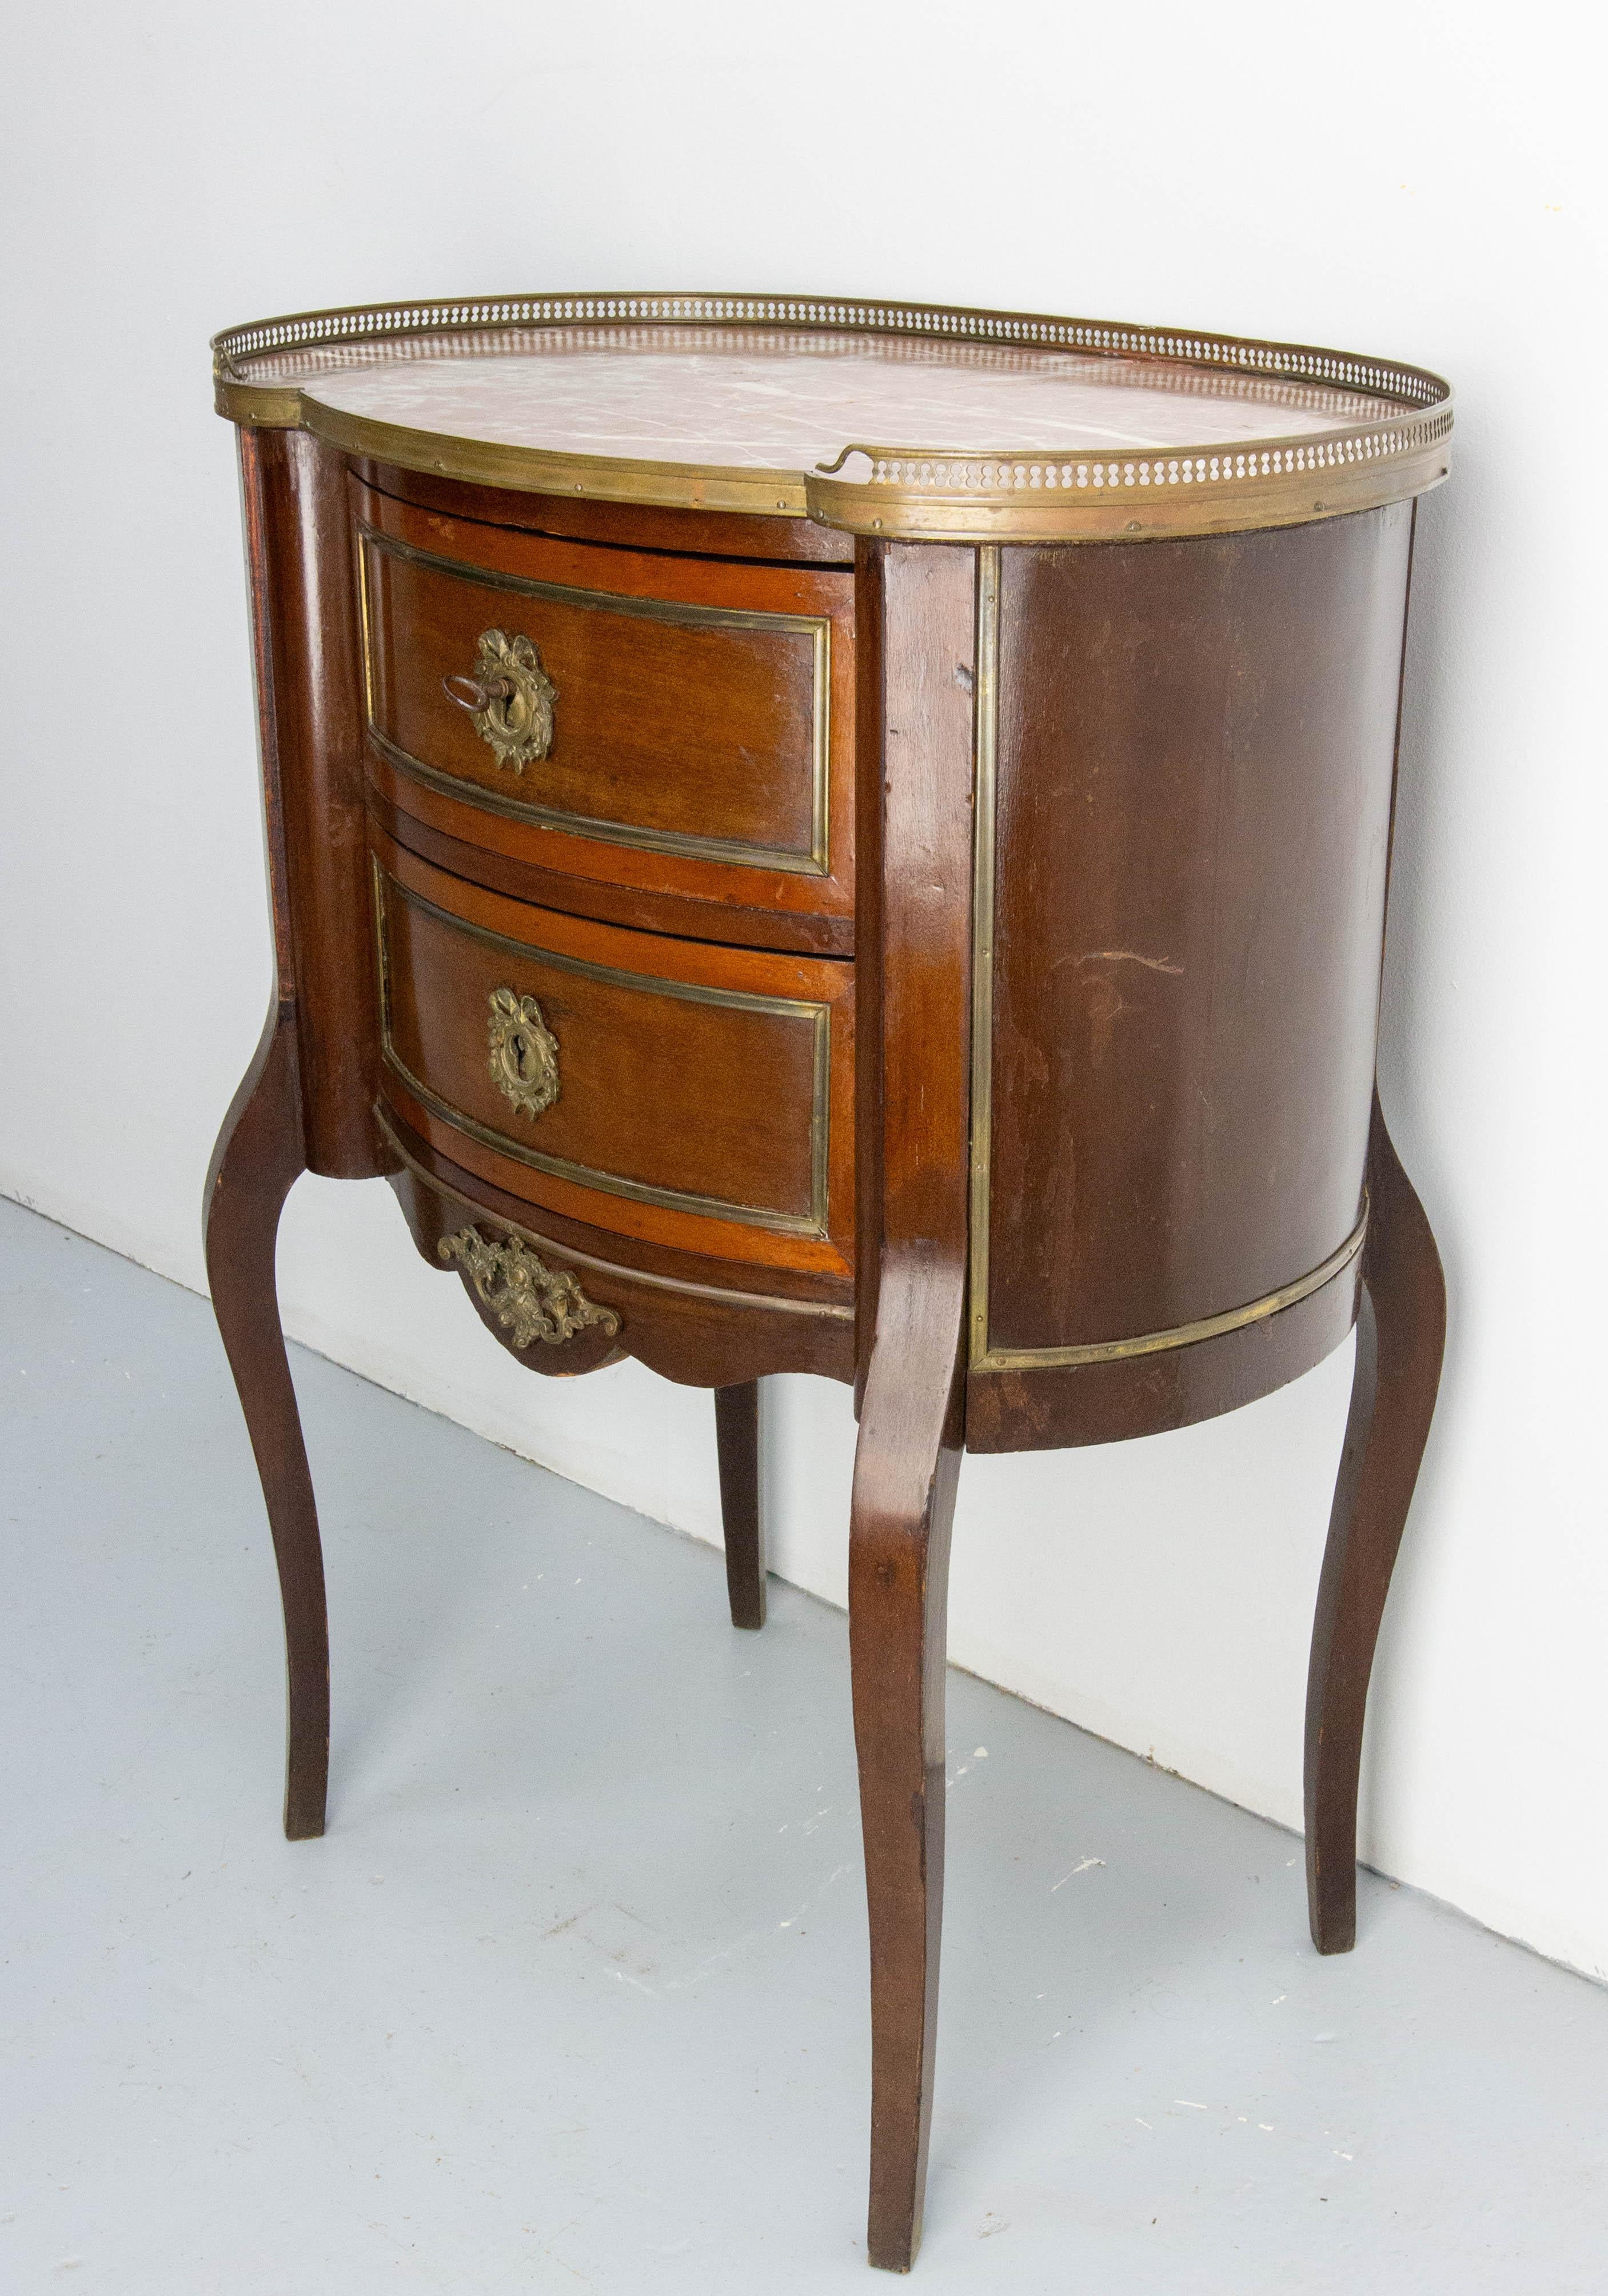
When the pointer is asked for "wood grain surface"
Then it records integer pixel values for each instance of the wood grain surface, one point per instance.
(908, 1457)
(686, 1070)
(304, 610)
(1195, 753)
(684, 760)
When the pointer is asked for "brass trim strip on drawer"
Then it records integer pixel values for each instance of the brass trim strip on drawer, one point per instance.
(684, 843)
(985, 780)
(586, 1175)
(983, 1356)
(677, 1284)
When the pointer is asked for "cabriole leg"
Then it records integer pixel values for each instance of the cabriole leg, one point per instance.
(907, 1465)
(1400, 1337)
(260, 1153)
(737, 1441)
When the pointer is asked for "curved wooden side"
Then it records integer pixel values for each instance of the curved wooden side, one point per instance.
(1194, 752)
(310, 708)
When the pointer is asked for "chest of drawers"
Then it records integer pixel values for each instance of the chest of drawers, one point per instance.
(911, 914)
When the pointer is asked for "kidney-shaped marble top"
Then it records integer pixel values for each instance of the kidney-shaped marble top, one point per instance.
(790, 400)
(961, 410)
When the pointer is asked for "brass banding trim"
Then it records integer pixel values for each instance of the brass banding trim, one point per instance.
(981, 1354)
(1185, 1335)
(913, 492)
(813, 1223)
(983, 834)
(608, 1267)
(795, 860)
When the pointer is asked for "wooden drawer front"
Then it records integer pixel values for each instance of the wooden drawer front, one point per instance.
(692, 719)
(691, 1094)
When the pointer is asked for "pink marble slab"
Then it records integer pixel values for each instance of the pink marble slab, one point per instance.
(789, 399)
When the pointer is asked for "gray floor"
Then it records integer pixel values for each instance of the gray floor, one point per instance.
(572, 1995)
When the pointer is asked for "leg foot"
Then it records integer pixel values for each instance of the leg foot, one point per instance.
(1400, 1337)
(737, 1440)
(260, 1153)
(906, 1468)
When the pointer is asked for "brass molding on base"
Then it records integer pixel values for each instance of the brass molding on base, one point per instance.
(718, 1294)
(529, 1299)
(268, 374)
(1183, 1335)
(524, 1052)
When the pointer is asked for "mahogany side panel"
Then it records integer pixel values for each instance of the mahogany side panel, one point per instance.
(304, 607)
(1195, 764)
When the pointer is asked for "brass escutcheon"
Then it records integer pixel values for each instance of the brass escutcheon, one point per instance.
(508, 699)
(524, 1052)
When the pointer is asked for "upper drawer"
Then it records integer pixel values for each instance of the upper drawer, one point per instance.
(679, 726)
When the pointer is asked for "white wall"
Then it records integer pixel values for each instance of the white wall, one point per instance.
(1426, 186)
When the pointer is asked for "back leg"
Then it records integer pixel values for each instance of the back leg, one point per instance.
(737, 1439)
(1400, 1338)
(260, 1154)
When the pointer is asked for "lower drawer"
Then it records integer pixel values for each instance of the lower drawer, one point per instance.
(684, 1093)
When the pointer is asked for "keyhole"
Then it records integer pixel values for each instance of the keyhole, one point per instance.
(524, 1056)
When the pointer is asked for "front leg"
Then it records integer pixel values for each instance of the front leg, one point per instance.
(1400, 1337)
(906, 1467)
(260, 1154)
(928, 615)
